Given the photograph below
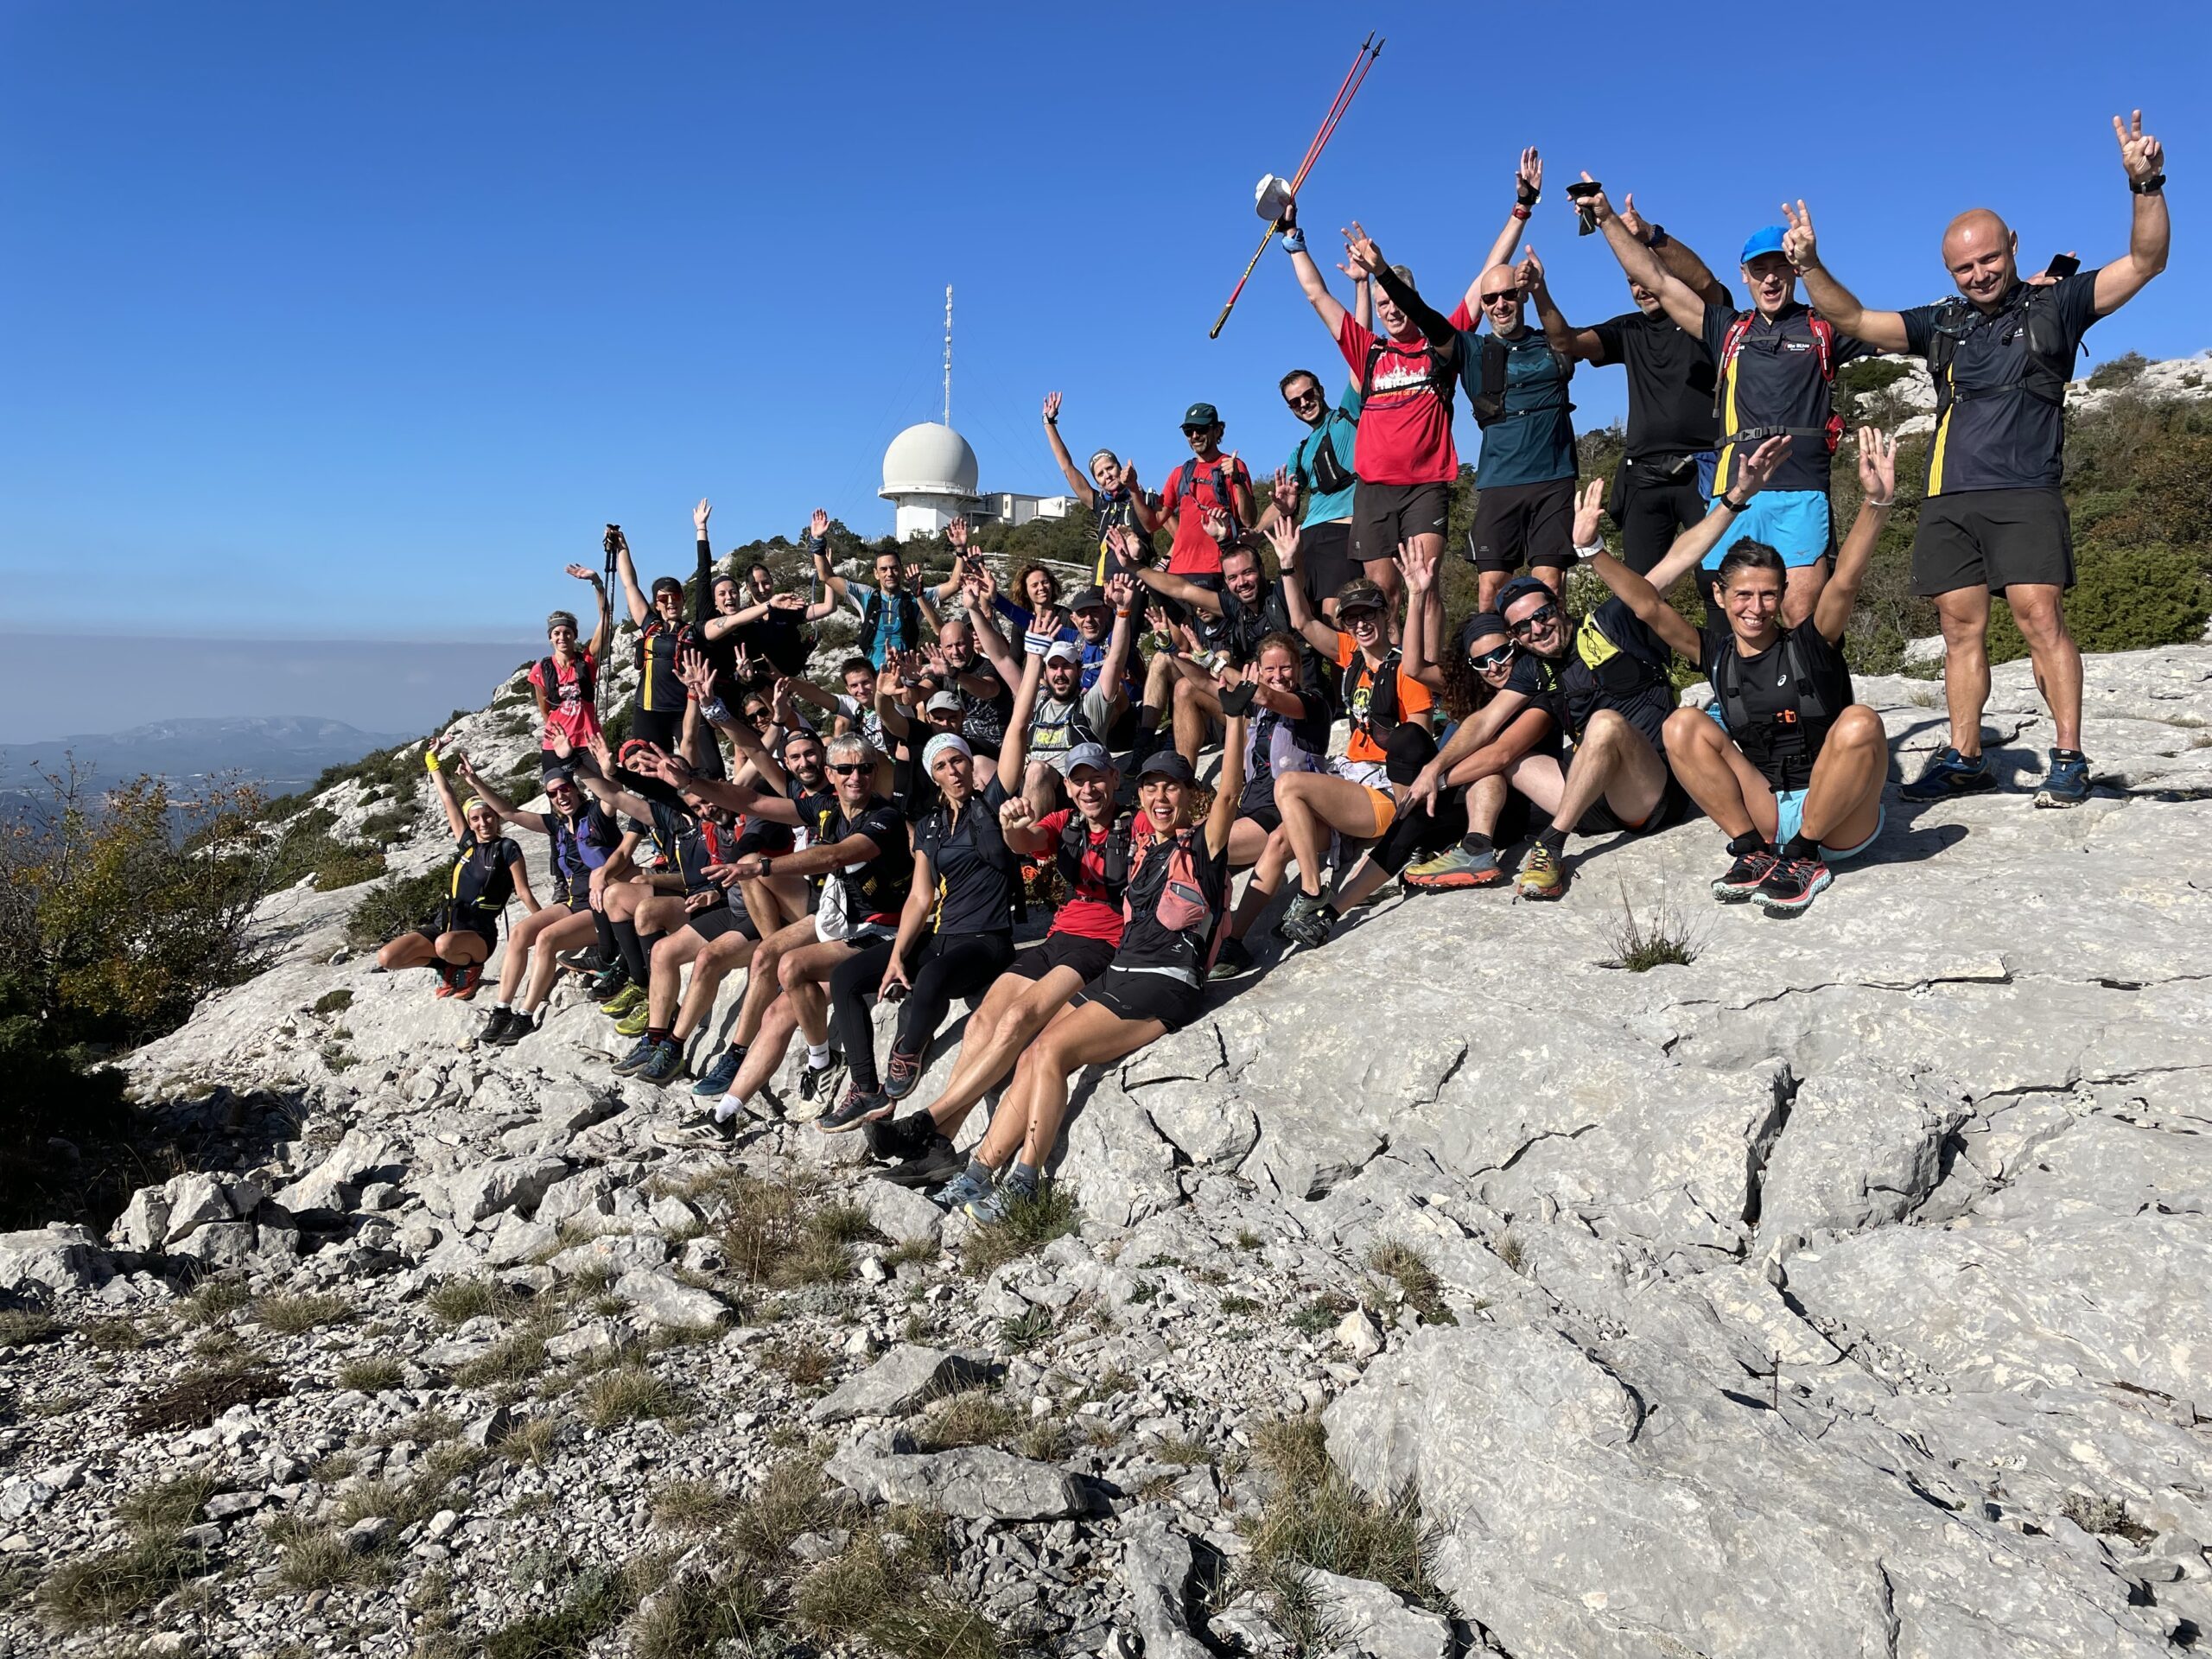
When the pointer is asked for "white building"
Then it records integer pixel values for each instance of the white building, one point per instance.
(929, 475)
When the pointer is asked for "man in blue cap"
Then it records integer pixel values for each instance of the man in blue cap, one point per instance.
(1775, 369)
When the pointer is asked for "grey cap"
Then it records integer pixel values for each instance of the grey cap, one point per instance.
(1093, 755)
(947, 701)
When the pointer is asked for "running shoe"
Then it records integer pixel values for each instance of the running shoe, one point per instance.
(608, 984)
(723, 1129)
(634, 1022)
(629, 997)
(1744, 876)
(1951, 773)
(640, 1053)
(1452, 870)
(448, 977)
(586, 961)
(991, 1208)
(1542, 874)
(494, 1026)
(721, 1075)
(967, 1190)
(856, 1107)
(1792, 885)
(519, 1026)
(933, 1166)
(2067, 783)
(1234, 962)
(664, 1063)
(467, 981)
(1306, 922)
(814, 1080)
(900, 1073)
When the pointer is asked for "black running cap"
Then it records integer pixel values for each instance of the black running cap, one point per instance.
(1167, 764)
(1519, 588)
(1481, 626)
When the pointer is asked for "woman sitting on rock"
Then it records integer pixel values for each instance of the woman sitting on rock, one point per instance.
(1784, 761)
(1176, 895)
(487, 870)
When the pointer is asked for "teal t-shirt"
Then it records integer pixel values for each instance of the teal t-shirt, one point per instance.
(1337, 430)
(1533, 441)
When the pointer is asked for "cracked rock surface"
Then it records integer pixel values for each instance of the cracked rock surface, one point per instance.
(1840, 1292)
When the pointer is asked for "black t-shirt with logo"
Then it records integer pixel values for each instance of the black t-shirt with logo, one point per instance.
(1775, 738)
(1669, 384)
(1998, 435)
(875, 888)
(970, 864)
(1776, 381)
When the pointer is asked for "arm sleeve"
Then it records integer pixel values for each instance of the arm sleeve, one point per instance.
(703, 586)
(1442, 334)
(1018, 615)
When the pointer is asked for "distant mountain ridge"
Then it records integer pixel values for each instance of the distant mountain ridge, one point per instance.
(280, 752)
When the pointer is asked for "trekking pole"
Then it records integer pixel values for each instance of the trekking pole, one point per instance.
(1354, 77)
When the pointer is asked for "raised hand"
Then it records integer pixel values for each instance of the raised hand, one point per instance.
(1216, 522)
(1798, 244)
(695, 673)
(699, 515)
(1016, 813)
(1052, 407)
(785, 602)
(955, 536)
(602, 757)
(1121, 588)
(1418, 566)
(1128, 481)
(1753, 474)
(1284, 489)
(2143, 156)
(1596, 204)
(1632, 221)
(779, 702)
(1529, 177)
(1360, 249)
(1283, 535)
(1590, 515)
(1877, 466)
(583, 573)
(1287, 220)
(817, 525)
(1530, 274)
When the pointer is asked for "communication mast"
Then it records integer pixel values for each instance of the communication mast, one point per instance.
(948, 354)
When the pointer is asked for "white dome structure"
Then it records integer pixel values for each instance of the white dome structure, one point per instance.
(930, 474)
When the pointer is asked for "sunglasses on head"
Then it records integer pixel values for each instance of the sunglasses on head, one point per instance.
(1535, 619)
(1491, 660)
(847, 768)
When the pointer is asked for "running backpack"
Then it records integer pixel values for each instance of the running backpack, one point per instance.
(1732, 344)
(1437, 380)
(1221, 481)
(1114, 857)
(1380, 717)
(1796, 732)
(585, 681)
(872, 612)
(1187, 903)
(2045, 364)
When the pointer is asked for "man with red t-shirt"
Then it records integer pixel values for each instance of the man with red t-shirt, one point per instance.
(1208, 480)
(1404, 459)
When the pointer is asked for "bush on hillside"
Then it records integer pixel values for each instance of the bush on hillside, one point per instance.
(2119, 372)
(394, 905)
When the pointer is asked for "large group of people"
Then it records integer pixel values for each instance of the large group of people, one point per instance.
(995, 746)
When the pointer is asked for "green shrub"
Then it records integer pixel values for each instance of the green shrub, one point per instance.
(348, 868)
(394, 905)
(2124, 599)
(2118, 371)
(388, 825)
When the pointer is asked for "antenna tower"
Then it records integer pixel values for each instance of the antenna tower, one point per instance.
(948, 354)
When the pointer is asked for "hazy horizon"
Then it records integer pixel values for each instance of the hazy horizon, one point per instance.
(65, 685)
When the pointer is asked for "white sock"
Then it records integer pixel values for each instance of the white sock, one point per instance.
(728, 1107)
(505, 1007)
(818, 1055)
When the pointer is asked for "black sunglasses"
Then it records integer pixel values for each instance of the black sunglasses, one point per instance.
(1193, 431)
(1509, 294)
(846, 770)
(1298, 397)
(1491, 660)
(1535, 619)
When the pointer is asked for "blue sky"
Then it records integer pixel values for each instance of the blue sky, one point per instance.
(361, 319)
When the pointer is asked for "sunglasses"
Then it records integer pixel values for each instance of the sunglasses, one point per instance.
(1535, 619)
(1300, 399)
(848, 770)
(1509, 294)
(1194, 431)
(1353, 618)
(755, 716)
(1491, 660)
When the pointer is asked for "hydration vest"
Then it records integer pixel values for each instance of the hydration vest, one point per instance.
(2044, 366)
(1783, 746)
(873, 611)
(1732, 344)
(681, 638)
(1221, 481)
(585, 681)
(1437, 380)
(1183, 889)
(1382, 715)
(1114, 857)
(1489, 404)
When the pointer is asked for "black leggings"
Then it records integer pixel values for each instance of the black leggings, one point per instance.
(1415, 831)
(944, 966)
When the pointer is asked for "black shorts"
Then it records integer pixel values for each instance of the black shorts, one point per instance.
(1599, 819)
(1655, 498)
(1325, 561)
(660, 727)
(1994, 538)
(486, 930)
(1382, 515)
(1523, 524)
(1267, 816)
(711, 925)
(1128, 994)
(579, 906)
(1089, 957)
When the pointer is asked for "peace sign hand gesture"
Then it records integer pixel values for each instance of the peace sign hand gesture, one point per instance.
(2143, 156)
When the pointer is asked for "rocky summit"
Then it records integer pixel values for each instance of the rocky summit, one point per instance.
(1840, 1291)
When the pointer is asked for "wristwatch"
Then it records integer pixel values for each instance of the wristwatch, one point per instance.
(765, 862)
(1732, 504)
(2150, 187)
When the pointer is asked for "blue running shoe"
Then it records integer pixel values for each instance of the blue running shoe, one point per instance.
(964, 1191)
(664, 1062)
(1951, 773)
(992, 1207)
(721, 1075)
(2067, 783)
(634, 1061)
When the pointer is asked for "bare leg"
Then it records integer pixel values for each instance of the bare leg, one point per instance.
(804, 975)
(1030, 1113)
(408, 951)
(1715, 775)
(572, 930)
(672, 953)
(1844, 803)
(1196, 710)
(771, 1042)
(1964, 615)
(519, 944)
(2038, 611)
(987, 1056)
(763, 985)
(1313, 803)
(1613, 760)
(1803, 591)
(1268, 863)
(462, 946)
(715, 962)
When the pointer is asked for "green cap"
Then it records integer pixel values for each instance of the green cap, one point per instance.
(1202, 415)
